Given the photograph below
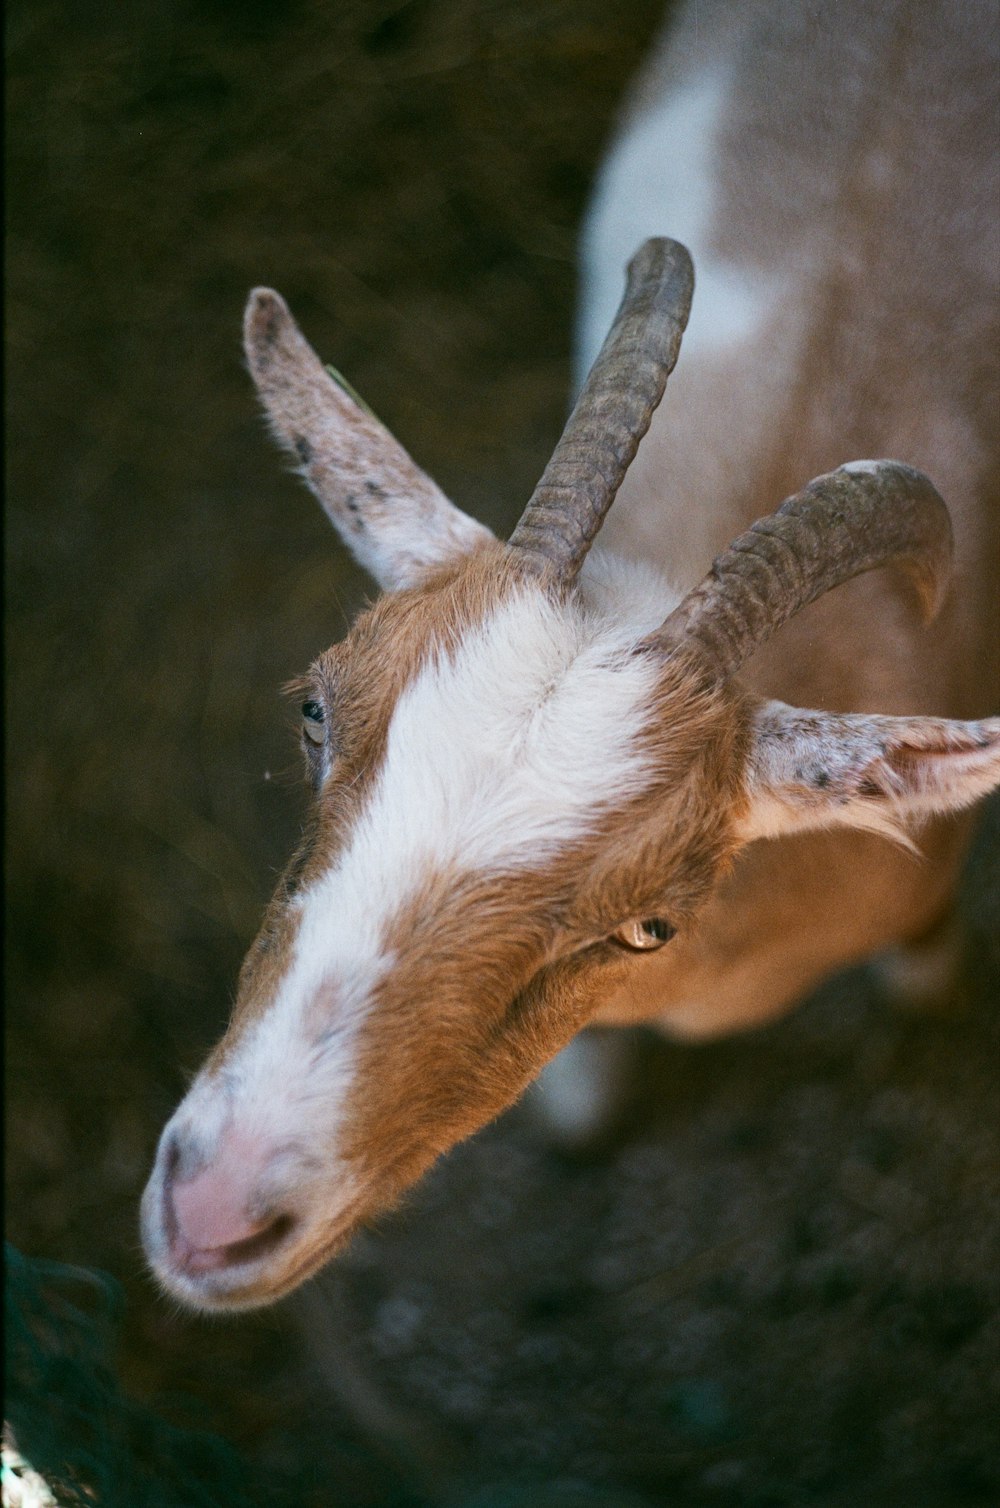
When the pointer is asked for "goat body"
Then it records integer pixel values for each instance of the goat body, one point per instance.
(547, 792)
(842, 216)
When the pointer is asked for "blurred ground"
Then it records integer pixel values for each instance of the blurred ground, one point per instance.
(782, 1288)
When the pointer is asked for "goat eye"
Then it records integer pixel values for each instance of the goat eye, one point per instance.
(644, 936)
(312, 721)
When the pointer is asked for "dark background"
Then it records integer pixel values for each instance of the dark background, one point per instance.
(781, 1288)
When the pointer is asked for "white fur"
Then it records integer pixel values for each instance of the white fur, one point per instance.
(657, 181)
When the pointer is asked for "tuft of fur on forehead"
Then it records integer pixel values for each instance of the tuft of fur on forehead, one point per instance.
(453, 678)
(509, 746)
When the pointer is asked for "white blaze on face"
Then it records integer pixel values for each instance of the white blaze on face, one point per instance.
(498, 756)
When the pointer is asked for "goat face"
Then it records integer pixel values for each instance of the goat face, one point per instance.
(502, 786)
(514, 767)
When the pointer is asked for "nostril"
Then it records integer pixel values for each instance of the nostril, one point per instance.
(171, 1155)
(171, 1160)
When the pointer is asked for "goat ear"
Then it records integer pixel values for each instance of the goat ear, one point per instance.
(817, 769)
(394, 520)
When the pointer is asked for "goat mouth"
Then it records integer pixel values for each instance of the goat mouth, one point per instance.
(246, 1274)
(249, 1251)
(247, 1286)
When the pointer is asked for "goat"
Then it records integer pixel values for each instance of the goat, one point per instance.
(554, 788)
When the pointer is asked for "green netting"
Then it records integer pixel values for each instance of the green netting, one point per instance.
(96, 1448)
(70, 1417)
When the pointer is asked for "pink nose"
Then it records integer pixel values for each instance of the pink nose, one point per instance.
(212, 1224)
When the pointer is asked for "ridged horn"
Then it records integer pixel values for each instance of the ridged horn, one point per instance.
(611, 414)
(864, 515)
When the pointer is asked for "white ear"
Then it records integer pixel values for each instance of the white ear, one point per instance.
(395, 521)
(816, 769)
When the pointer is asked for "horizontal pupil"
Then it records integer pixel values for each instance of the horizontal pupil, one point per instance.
(313, 711)
(655, 926)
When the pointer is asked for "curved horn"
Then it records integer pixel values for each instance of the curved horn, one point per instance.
(612, 412)
(864, 515)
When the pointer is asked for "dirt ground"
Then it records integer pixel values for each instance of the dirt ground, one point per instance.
(781, 1286)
